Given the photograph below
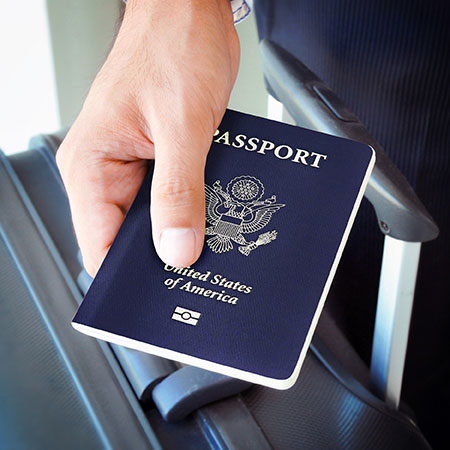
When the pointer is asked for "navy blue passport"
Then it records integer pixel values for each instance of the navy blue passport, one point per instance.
(280, 203)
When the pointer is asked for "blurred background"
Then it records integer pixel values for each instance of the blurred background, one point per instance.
(51, 50)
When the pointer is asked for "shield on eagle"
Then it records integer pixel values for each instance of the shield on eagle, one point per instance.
(236, 211)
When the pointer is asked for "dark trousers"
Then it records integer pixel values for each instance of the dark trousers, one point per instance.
(388, 61)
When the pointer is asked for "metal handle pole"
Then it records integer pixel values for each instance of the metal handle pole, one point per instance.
(395, 301)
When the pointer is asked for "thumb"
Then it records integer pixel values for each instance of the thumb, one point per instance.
(178, 196)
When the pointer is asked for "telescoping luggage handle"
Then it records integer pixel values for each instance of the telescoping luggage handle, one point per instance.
(401, 216)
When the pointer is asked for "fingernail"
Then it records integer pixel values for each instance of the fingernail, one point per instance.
(177, 246)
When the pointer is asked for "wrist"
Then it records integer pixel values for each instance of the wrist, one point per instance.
(143, 9)
(147, 6)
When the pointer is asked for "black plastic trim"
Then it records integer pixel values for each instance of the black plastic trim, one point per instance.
(312, 104)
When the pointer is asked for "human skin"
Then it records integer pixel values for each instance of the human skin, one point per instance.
(159, 96)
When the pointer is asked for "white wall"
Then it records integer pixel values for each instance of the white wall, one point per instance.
(28, 102)
(50, 51)
(82, 32)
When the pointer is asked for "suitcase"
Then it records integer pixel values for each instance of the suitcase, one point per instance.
(61, 389)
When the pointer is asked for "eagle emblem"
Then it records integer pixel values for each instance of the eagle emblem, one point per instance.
(236, 211)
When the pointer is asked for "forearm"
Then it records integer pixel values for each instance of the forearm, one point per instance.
(170, 31)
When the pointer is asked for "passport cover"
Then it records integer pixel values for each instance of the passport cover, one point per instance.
(280, 203)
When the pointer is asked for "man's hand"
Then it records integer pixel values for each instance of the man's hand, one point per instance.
(160, 95)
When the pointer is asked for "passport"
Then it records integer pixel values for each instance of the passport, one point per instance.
(280, 203)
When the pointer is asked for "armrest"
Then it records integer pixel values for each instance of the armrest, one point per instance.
(312, 104)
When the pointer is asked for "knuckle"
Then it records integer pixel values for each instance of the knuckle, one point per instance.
(176, 191)
(67, 157)
(60, 158)
(63, 163)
